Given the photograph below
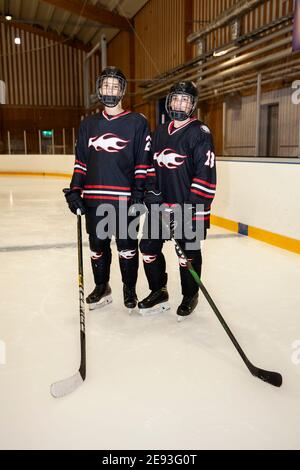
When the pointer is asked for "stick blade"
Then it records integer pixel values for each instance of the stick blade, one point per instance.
(64, 387)
(273, 378)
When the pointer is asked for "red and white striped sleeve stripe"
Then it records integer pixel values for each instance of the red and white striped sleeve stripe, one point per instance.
(201, 215)
(151, 171)
(203, 188)
(106, 192)
(140, 171)
(80, 167)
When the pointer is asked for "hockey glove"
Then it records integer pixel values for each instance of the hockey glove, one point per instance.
(137, 203)
(74, 200)
(152, 197)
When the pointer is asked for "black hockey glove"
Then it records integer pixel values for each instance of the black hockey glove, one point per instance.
(152, 197)
(74, 200)
(136, 202)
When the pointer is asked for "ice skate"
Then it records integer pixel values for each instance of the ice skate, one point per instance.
(100, 296)
(130, 298)
(155, 304)
(186, 307)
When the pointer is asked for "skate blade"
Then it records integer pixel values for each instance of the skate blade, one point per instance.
(181, 318)
(157, 310)
(102, 303)
(130, 311)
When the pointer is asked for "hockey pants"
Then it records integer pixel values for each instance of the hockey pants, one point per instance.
(155, 264)
(100, 250)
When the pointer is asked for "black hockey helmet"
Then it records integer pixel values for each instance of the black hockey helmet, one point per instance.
(111, 100)
(185, 89)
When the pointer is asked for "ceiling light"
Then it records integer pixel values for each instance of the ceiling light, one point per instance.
(220, 52)
(8, 17)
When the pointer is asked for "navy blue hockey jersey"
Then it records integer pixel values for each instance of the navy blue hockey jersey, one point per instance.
(112, 157)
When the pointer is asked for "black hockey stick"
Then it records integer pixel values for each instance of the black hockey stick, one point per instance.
(273, 378)
(68, 385)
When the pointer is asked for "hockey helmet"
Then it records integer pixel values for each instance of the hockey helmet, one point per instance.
(111, 100)
(185, 107)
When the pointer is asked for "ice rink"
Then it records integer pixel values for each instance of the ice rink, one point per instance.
(152, 383)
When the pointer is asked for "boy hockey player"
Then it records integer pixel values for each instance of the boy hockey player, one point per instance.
(112, 158)
(184, 163)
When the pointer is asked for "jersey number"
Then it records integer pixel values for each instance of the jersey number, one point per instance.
(210, 159)
(148, 143)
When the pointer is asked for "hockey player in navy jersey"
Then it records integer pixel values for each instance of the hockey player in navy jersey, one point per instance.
(111, 163)
(184, 163)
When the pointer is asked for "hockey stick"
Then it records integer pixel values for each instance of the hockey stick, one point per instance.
(66, 386)
(273, 378)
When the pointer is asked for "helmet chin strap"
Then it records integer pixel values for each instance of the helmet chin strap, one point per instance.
(178, 115)
(110, 101)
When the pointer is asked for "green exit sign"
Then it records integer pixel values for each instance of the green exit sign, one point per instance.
(47, 133)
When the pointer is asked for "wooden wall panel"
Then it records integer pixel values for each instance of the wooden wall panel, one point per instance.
(39, 117)
(120, 52)
(240, 127)
(16, 119)
(79, 80)
(269, 11)
(42, 71)
(149, 111)
(206, 11)
(212, 115)
(241, 124)
(159, 39)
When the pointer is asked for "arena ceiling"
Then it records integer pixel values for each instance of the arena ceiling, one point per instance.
(83, 20)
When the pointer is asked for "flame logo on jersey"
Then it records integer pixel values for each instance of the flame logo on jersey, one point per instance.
(169, 158)
(127, 254)
(108, 142)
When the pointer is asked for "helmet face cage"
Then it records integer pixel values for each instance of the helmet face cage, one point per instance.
(184, 107)
(112, 77)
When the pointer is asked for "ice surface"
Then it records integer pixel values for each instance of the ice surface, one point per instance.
(151, 382)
